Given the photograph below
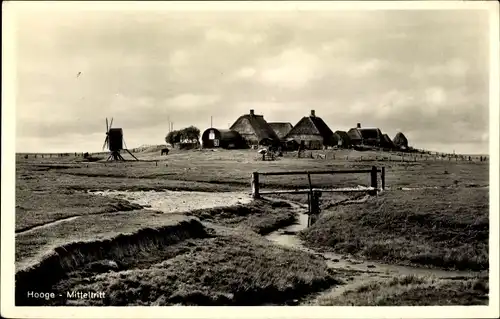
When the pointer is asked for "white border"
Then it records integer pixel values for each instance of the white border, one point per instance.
(8, 171)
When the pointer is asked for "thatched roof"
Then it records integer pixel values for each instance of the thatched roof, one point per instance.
(313, 125)
(344, 137)
(386, 141)
(400, 140)
(369, 133)
(354, 134)
(260, 126)
(229, 135)
(281, 128)
(335, 139)
(357, 133)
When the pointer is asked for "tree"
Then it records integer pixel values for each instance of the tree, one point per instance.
(191, 133)
(173, 137)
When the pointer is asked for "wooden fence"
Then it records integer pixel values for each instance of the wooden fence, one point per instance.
(399, 157)
(315, 193)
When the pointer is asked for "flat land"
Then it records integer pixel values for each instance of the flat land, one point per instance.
(434, 213)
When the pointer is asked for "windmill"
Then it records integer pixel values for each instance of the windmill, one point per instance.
(114, 141)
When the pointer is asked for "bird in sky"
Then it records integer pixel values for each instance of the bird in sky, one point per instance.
(78, 75)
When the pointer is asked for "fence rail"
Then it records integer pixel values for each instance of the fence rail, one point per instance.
(323, 190)
(256, 192)
(314, 194)
(319, 172)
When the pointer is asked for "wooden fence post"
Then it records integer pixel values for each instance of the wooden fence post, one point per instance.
(315, 209)
(382, 175)
(255, 185)
(309, 197)
(373, 175)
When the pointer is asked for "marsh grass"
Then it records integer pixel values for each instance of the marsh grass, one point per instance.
(414, 290)
(443, 228)
(261, 216)
(224, 270)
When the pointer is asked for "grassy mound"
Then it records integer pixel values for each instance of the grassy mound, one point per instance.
(225, 270)
(414, 291)
(261, 216)
(75, 255)
(444, 228)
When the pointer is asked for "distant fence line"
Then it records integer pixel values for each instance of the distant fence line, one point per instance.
(397, 157)
(50, 155)
(402, 157)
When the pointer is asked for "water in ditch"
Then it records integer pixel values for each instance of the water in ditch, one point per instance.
(362, 271)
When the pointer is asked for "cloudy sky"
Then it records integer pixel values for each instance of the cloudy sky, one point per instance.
(424, 73)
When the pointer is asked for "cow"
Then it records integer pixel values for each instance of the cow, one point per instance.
(164, 151)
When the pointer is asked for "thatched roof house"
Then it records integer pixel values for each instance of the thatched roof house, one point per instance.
(255, 130)
(343, 139)
(387, 142)
(313, 132)
(281, 128)
(365, 136)
(400, 141)
(214, 138)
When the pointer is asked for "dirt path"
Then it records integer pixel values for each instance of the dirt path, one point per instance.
(180, 201)
(31, 229)
(165, 201)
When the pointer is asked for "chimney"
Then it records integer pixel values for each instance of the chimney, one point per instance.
(313, 113)
(252, 113)
(358, 125)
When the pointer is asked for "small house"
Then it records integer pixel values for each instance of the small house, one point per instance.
(255, 130)
(365, 136)
(400, 141)
(312, 132)
(214, 138)
(343, 140)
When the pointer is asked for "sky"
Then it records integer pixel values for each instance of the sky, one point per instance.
(420, 72)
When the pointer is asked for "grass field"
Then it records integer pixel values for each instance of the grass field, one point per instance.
(224, 270)
(443, 226)
(413, 290)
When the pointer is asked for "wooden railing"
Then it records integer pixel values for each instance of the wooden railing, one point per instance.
(256, 192)
(314, 194)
